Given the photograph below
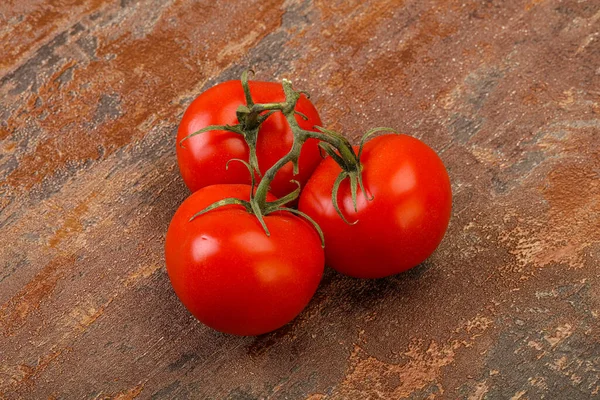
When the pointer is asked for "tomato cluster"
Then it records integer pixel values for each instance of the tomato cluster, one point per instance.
(240, 257)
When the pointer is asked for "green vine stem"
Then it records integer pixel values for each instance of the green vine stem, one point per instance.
(332, 142)
(250, 117)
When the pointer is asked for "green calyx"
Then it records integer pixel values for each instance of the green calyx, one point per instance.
(351, 169)
(251, 116)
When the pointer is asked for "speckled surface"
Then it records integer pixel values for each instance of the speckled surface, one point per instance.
(508, 93)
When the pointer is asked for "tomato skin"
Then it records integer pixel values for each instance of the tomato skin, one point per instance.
(202, 161)
(401, 226)
(230, 275)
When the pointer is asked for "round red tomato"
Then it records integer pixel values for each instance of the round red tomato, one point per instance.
(230, 274)
(202, 161)
(403, 223)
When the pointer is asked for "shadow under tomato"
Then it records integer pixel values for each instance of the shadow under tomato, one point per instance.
(262, 343)
(363, 293)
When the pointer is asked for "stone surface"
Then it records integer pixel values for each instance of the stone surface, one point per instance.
(508, 92)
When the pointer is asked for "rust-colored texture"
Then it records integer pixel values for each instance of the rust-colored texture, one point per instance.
(508, 93)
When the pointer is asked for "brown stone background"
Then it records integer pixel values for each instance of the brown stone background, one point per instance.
(508, 92)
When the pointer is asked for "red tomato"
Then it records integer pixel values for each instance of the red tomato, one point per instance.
(203, 158)
(230, 274)
(401, 226)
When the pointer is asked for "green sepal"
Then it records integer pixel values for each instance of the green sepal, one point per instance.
(221, 203)
(302, 115)
(304, 92)
(334, 196)
(362, 186)
(250, 169)
(353, 188)
(252, 157)
(273, 206)
(258, 214)
(230, 128)
(264, 117)
(329, 149)
(370, 133)
(309, 219)
(329, 132)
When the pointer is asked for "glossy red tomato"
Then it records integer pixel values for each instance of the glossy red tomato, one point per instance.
(230, 274)
(401, 226)
(203, 158)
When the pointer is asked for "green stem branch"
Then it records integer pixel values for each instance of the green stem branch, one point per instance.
(251, 116)
(287, 108)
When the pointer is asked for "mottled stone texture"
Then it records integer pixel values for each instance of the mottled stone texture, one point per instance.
(508, 92)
